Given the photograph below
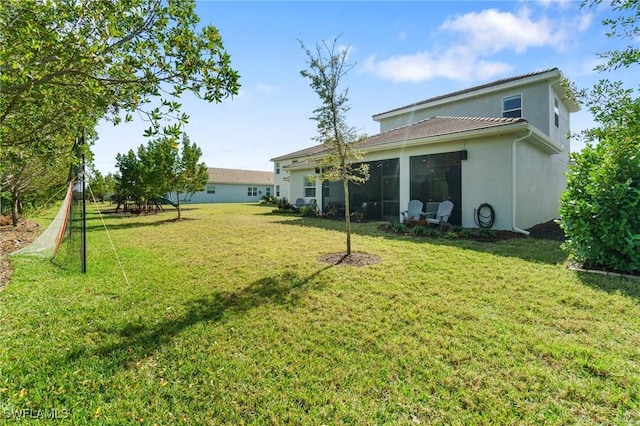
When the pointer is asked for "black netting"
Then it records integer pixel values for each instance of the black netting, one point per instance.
(71, 253)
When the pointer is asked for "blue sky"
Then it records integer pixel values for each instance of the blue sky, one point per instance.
(403, 52)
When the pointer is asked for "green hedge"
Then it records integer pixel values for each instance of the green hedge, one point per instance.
(600, 210)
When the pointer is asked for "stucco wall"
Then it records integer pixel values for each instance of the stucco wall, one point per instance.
(486, 178)
(227, 193)
(296, 185)
(560, 133)
(535, 108)
(540, 181)
(281, 179)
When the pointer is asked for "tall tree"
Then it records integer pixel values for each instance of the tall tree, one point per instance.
(102, 186)
(67, 64)
(599, 209)
(327, 67)
(127, 178)
(104, 58)
(32, 177)
(190, 175)
(157, 165)
(159, 168)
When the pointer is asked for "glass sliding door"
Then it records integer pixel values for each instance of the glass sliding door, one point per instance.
(379, 197)
(435, 178)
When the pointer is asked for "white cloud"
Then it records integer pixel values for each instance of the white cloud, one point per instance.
(267, 89)
(585, 22)
(455, 64)
(348, 48)
(472, 40)
(491, 31)
(561, 3)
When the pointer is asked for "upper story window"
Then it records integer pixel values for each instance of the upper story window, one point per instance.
(277, 168)
(512, 106)
(556, 112)
(309, 186)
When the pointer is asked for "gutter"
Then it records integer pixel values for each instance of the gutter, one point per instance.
(513, 184)
(430, 140)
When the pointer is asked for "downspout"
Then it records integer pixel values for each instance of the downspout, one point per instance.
(514, 186)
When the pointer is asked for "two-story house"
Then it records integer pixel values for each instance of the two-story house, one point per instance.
(505, 143)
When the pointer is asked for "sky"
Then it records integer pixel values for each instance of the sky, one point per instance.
(402, 52)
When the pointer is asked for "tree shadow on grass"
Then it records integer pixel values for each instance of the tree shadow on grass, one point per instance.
(132, 223)
(133, 342)
(614, 285)
(525, 248)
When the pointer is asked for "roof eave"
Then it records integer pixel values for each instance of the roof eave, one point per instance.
(536, 138)
(551, 74)
(449, 137)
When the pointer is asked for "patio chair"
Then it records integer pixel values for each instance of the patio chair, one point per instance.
(299, 203)
(443, 213)
(414, 210)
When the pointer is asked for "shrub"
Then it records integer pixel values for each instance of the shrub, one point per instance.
(600, 208)
(397, 227)
(485, 233)
(268, 200)
(451, 235)
(357, 216)
(467, 233)
(420, 230)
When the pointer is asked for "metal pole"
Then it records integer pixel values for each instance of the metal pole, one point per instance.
(84, 211)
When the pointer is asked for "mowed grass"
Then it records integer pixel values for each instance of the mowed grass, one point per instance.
(228, 318)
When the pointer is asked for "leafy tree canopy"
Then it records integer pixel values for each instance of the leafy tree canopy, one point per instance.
(599, 210)
(68, 63)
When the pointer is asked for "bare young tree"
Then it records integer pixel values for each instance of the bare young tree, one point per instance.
(327, 67)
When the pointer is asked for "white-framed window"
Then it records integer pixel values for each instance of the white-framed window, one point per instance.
(252, 191)
(267, 191)
(556, 112)
(211, 189)
(277, 190)
(277, 168)
(512, 106)
(309, 186)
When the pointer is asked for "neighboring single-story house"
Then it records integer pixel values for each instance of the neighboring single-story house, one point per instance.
(232, 186)
(505, 143)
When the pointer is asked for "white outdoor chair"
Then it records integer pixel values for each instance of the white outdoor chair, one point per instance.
(299, 203)
(414, 210)
(443, 213)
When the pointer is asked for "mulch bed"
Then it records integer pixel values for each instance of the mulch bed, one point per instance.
(547, 231)
(13, 239)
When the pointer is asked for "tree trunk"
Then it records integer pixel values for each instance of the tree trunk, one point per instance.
(15, 202)
(347, 215)
(178, 204)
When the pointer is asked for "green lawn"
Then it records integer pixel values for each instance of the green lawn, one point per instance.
(228, 318)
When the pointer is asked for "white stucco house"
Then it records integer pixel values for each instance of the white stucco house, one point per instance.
(232, 186)
(505, 143)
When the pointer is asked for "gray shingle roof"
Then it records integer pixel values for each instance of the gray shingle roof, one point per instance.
(438, 126)
(430, 127)
(554, 71)
(236, 176)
